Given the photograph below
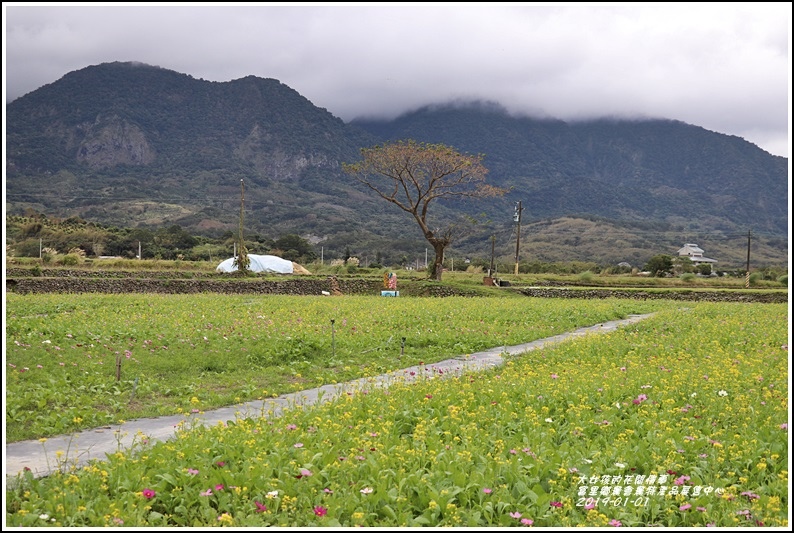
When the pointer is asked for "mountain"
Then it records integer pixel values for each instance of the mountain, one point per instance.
(130, 144)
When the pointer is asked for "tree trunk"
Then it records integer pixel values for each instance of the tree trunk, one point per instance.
(438, 264)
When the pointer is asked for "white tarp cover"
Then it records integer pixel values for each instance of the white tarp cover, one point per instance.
(259, 263)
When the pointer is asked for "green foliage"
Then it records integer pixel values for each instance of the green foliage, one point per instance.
(478, 449)
(704, 269)
(70, 260)
(295, 248)
(783, 280)
(659, 265)
(586, 276)
(257, 343)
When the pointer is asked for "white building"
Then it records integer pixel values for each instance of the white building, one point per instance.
(695, 254)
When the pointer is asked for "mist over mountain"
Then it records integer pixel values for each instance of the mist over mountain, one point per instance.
(133, 145)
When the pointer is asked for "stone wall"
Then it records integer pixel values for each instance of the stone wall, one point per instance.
(187, 286)
(681, 294)
(24, 281)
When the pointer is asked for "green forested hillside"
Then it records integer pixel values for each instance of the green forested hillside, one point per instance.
(137, 146)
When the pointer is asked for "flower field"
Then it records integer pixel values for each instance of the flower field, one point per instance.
(678, 420)
(177, 351)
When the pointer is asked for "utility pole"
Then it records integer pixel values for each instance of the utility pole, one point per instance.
(517, 220)
(747, 271)
(493, 245)
(242, 260)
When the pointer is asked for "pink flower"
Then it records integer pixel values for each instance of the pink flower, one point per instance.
(701, 509)
(623, 369)
(306, 473)
(148, 493)
(260, 508)
(291, 426)
(207, 492)
(685, 507)
(527, 522)
(615, 523)
(554, 376)
(487, 490)
(590, 505)
(219, 487)
(320, 510)
(298, 445)
(515, 515)
(556, 504)
(192, 471)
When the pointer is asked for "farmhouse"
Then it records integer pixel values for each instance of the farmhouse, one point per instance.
(695, 254)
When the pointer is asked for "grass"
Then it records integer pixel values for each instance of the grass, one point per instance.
(692, 402)
(64, 351)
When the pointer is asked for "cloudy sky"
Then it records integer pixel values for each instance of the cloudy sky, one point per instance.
(723, 66)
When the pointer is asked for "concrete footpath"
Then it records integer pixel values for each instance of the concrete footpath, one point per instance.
(43, 458)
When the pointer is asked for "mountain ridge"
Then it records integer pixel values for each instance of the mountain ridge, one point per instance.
(108, 141)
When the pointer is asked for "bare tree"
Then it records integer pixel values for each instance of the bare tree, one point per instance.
(412, 175)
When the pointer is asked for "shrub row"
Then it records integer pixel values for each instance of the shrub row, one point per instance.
(688, 295)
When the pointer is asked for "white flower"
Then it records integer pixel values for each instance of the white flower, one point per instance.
(694, 394)
(723, 393)
(366, 490)
(549, 420)
(588, 461)
(272, 494)
(617, 404)
(46, 342)
(44, 516)
(620, 465)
